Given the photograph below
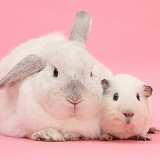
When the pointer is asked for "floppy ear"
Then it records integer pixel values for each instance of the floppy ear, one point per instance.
(27, 66)
(81, 27)
(147, 90)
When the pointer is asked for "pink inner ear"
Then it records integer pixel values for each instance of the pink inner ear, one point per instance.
(105, 83)
(148, 91)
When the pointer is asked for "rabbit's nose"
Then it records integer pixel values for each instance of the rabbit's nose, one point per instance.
(73, 91)
(128, 114)
(75, 102)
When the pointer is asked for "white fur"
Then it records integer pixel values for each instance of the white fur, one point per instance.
(112, 119)
(39, 101)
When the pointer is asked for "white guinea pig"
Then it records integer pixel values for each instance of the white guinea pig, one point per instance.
(127, 110)
(52, 85)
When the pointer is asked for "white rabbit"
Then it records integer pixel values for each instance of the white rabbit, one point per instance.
(50, 87)
(127, 111)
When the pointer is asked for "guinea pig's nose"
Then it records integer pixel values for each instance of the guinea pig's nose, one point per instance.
(128, 114)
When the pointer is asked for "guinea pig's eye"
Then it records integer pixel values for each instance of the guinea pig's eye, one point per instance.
(91, 74)
(55, 73)
(115, 97)
(138, 97)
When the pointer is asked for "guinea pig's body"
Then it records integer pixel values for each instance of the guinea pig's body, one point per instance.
(127, 109)
(51, 83)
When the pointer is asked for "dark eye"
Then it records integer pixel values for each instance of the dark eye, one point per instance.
(115, 97)
(138, 97)
(91, 74)
(55, 73)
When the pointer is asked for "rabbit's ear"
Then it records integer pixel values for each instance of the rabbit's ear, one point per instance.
(27, 66)
(81, 27)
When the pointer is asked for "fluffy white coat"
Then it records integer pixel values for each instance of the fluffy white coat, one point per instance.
(39, 101)
(131, 113)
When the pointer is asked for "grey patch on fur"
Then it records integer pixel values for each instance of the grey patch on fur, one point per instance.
(81, 27)
(74, 91)
(27, 66)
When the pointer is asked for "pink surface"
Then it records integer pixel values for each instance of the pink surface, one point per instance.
(22, 149)
(125, 36)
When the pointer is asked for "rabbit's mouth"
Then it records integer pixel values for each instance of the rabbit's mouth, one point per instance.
(74, 102)
(74, 112)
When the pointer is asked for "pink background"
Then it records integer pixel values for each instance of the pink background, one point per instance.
(125, 36)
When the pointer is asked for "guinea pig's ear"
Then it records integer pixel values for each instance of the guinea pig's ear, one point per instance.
(105, 84)
(81, 28)
(147, 90)
(27, 66)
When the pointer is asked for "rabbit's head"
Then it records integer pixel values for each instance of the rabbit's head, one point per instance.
(66, 81)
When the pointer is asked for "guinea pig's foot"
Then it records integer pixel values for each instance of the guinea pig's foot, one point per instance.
(143, 138)
(106, 137)
(154, 130)
(72, 136)
(48, 135)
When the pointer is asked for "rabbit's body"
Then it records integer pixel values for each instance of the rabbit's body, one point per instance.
(28, 116)
(51, 82)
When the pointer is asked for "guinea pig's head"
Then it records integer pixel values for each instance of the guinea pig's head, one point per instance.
(125, 100)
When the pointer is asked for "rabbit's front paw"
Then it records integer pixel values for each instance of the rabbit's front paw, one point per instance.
(48, 135)
(72, 136)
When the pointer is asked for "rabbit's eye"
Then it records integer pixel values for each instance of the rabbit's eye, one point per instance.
(115, 97)
(138, 97)
(55, 73)
(91, 74)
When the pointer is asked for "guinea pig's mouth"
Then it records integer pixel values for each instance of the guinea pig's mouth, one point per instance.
(128, 120)
(128, 117)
